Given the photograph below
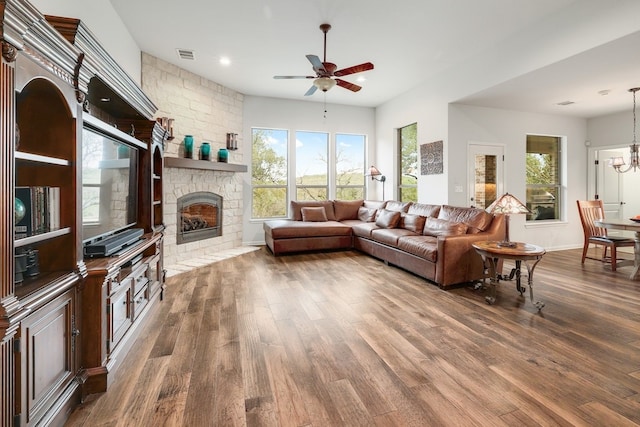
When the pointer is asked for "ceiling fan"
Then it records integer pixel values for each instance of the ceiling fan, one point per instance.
(326, 71)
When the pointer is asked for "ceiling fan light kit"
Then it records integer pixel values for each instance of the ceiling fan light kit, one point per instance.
(325, 71)
(324, 83)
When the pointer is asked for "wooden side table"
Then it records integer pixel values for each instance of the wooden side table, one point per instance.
(491, 254)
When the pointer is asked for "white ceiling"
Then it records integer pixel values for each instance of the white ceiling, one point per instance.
(408, 41)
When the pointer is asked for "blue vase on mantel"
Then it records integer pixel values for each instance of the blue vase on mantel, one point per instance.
(205, 151)
(223, 155)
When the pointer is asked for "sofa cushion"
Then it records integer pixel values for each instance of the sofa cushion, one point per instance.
(364, 229)
(424, 209)
(297, 206)
(412, 222)
(346, 209)
(390, 236)
(367, 214)
(315, 214)
(476, 219)
(287, 229)
(374, 204)
(388, 219)
(393, 205)
(422, 246)
(441, 227)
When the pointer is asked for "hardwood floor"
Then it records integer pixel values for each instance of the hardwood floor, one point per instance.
(340, 338)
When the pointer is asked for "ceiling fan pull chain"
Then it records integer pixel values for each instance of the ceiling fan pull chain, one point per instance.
(325, 105)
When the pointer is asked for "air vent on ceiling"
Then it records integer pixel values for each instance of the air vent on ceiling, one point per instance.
(187, 54)
(563, 103)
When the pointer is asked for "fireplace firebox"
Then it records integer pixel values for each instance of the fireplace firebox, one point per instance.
(199, 216)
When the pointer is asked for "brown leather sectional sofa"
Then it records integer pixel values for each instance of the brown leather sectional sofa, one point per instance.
(432, 241)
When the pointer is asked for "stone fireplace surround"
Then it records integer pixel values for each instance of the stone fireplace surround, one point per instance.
(178, 182)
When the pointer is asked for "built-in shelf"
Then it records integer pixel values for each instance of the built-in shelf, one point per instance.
(26, 241)
(37, 158)
(179, 162)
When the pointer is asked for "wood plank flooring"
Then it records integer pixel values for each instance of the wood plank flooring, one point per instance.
(341, 339)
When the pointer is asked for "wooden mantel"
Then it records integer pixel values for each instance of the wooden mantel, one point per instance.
(179, 162)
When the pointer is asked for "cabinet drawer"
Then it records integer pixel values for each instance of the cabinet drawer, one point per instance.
(140, 301)
(139, 284)
(114, 284)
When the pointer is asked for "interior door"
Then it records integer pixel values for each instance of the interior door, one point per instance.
(610, 184)
(485, 172)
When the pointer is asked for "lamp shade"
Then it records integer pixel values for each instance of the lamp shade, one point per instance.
(508, 204)
(373, 171)
(324, 83)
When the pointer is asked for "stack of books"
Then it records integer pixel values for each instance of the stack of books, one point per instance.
(42, 210)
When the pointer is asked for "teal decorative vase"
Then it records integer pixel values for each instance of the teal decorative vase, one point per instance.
(223, 155)
(205, 151)
(188, 146)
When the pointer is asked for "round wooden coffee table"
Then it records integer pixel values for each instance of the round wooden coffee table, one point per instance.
(492, 253)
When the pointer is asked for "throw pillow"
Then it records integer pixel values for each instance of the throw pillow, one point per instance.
(442, 227)
(412, 222)
(388, 219)
(326, 204)
(316, 214)
(367, 214)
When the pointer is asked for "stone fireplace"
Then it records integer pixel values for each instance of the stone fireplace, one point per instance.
(180, 182)
(199, 216)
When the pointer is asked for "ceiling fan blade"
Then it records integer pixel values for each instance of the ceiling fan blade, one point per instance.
(311, 90)
(355, 69)
(294, 77)
(317, 64)
(347, 85)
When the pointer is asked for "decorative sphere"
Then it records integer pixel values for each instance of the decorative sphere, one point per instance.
(19, 211)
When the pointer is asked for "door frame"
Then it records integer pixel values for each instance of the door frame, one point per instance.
(474, 148)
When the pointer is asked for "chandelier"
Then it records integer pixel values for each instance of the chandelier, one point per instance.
(634, 162)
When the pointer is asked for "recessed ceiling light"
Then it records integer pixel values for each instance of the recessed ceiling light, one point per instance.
(563, 103)
(224, 60)
(604, 92)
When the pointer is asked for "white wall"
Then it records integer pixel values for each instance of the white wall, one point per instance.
(609, 134)
(509, 128)
(307, 116)
(105, 24)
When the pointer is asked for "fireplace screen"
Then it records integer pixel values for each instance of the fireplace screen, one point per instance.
(199, 216)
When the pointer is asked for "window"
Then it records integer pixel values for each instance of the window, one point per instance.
(269, 176)
(312, 178)
(324, 168)
(543, 177)
(408, 167)
(350, 161)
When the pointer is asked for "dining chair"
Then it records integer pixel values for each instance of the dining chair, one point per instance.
(591, 210)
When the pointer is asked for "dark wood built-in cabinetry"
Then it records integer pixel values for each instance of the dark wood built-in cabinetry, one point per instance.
(67, 322)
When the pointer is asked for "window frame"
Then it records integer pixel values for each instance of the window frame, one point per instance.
(284, 186)
(403, 187)
(336, 187)
(559, 200)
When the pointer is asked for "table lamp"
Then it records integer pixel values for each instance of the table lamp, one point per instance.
(507, 204)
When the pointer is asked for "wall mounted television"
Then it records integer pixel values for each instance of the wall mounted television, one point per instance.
(109, 180)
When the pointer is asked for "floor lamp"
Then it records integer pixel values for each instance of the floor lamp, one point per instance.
(374, 173)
